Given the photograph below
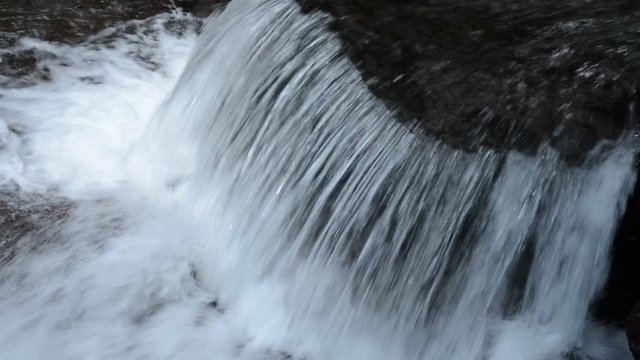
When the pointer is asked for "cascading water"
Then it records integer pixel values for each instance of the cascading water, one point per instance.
(272, 185)
(322, 180)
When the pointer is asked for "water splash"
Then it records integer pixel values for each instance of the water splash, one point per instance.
(273, 208)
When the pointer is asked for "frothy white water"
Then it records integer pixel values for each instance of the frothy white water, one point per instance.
(77, 129)
(273, 183)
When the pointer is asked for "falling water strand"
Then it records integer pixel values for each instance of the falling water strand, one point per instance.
(435, 252)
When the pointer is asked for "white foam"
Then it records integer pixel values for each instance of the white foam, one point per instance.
(131, 271)
(79, 127)
(114, 279)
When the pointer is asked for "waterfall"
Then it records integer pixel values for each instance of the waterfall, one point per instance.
(378, 229)
(240, 194)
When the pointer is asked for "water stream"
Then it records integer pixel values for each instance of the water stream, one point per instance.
(242, 195)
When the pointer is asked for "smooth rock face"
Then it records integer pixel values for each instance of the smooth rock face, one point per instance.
(502, 74)
(633, 331)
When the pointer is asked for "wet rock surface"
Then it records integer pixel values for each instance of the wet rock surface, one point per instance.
(71, 22)
(502, 74)
(28, 222)
(68, 21)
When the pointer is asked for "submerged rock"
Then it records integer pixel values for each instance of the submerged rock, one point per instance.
(28, 222)
(201, 8)
(575, 355)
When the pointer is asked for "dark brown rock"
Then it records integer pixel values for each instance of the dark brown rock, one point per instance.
(500, 74)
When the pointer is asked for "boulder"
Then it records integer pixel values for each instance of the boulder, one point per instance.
(508, 75)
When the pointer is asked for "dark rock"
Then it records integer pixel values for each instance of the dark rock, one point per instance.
(215, 304)
(71, 21)
(201, 8)
(501, 74)
(622, 290)
(575, 355)
(28, 222)
(633, 331)
(68, 21)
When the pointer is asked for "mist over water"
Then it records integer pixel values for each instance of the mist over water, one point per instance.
(242, 195)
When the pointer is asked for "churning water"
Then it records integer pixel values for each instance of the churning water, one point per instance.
(241, 195)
